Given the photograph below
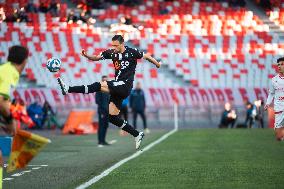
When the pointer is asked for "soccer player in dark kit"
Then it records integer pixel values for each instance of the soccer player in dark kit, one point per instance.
(125, 60)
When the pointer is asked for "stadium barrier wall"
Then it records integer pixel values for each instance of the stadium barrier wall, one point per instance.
(156, 97)
(198, 107)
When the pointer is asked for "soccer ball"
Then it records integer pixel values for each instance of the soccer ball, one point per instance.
(53, 64)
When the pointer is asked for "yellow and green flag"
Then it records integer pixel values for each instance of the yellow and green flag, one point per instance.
(25, 146)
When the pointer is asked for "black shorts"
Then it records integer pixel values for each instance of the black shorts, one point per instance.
(119, 90)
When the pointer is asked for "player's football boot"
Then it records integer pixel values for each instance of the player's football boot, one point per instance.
(138, 140)
(63, 86)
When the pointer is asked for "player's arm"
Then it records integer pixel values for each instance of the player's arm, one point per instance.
(270, 96)
(4, 107)
(91, 57)
(6, 117)
(9, 124)
(152, 60)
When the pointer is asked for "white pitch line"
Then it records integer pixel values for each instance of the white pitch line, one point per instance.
(118, 164)
(18, 174)
(8, 179)
(5, 165)
(35, 167)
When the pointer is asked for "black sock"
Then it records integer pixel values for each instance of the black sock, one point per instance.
(77, 89)
(114, 119)
(130, 130)
(95, 87)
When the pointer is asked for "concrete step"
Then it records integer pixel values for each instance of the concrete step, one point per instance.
(265, 19)
(172, 74)
(166, 71)
(274, 27)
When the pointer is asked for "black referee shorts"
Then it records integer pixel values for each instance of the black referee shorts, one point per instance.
(119, 90)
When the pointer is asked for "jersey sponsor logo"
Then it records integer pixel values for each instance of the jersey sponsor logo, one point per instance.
(116, 65)
(124, 64)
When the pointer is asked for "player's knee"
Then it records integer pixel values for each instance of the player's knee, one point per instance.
(279, 136)
(114, 113)
(103, 83)
(113, 110)
(104, 87)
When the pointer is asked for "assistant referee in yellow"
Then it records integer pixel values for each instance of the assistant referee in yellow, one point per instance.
(9, 77)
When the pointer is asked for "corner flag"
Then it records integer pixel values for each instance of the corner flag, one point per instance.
(25, 146)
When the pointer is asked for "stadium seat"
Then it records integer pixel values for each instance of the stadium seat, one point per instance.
(207, 43)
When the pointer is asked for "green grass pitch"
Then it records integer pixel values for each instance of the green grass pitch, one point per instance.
(192, 158)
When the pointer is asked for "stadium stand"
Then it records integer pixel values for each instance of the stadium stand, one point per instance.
(276, 14)
(210, 44)
(236, 47)
(53, 38)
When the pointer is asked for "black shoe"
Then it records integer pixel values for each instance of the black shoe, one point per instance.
(63, 86)
(139, 139)
(100, 144)
(105, 143)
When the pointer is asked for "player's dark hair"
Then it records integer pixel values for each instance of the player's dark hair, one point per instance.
(118, 38)
(17, 54)
(104, 77)
(280, 59)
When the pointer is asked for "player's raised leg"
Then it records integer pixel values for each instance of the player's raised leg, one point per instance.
(123, 124)
(85, 89)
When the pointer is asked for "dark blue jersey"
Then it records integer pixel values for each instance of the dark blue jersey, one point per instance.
(124, 63)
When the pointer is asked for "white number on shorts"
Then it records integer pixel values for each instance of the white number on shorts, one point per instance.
(118, 83)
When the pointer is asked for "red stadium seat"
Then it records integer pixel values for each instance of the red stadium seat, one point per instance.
(153, 73)
(195, 39)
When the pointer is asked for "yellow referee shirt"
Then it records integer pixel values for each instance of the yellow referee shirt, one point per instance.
(9, 76)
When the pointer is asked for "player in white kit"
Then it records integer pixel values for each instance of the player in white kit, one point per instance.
(276, 92)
